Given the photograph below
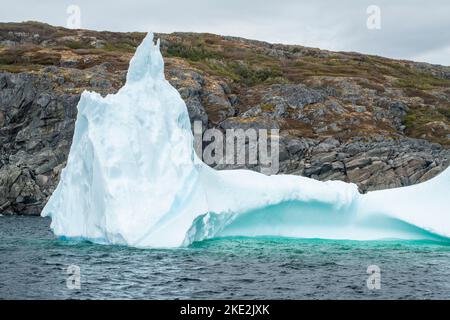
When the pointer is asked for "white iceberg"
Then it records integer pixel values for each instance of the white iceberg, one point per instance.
(133, 178)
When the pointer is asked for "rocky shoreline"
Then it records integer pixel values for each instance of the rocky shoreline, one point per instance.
(376, 122)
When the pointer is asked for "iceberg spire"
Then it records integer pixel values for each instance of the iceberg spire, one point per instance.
(131, 171)
(147, 63)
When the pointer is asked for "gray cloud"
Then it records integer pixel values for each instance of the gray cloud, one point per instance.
(413, 29)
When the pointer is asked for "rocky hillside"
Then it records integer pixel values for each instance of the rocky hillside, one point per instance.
(378, 122)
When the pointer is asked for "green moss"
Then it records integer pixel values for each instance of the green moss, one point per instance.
(236, 63)
(410, 120)
(370, 67)
(17, 68)
(277, 80)
(421, 81)
(332, 63)
(251, 75)
(241, 72)
(6, 59)
(76, 45)
(418, 118)
(219, 68)
(268, 107)
(412, 79)
(305, 67)
(25, 58)
(445, 112)
(195, 51)
(45, 58)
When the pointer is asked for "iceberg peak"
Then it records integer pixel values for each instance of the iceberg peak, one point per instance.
(147, 63)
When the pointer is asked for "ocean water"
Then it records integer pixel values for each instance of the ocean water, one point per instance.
(33, 264)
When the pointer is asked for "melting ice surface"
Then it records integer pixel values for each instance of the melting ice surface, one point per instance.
(133, 178)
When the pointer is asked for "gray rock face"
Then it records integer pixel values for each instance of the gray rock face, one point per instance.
(35, 137)
(373, 165)
(192, 94)
(296, 95)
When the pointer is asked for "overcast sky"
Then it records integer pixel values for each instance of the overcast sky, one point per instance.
(409, 29)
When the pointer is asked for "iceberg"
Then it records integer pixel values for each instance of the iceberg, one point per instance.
(133, 178)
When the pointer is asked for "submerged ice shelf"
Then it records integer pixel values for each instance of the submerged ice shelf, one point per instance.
(133, 178)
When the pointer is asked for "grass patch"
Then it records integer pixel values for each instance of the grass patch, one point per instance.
(74, 45)
(422, 82)
(251, 75)
(268, 107)
(28, 55)
(234, 62)
(304, 67)
(193, 51)
(242, 72)
(445, 112)
(418, 119)
(16, 68)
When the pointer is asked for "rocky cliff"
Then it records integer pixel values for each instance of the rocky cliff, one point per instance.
(378, 122)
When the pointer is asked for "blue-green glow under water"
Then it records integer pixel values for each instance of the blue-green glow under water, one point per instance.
(33, 264)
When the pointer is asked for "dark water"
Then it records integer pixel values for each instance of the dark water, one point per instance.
(34, 265)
